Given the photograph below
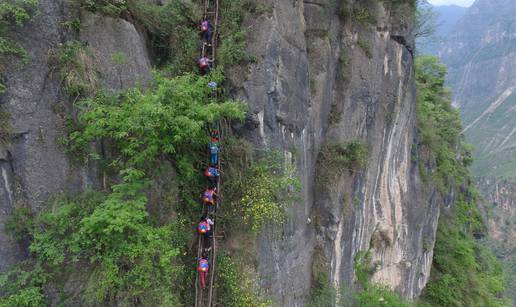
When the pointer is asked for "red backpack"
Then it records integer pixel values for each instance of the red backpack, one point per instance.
(207, 173)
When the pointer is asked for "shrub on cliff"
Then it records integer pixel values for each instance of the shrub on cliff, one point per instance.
(464, 272)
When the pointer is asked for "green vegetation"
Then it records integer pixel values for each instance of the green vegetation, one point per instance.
(464, 272)
(233, 35)
(258, 188)
(372, 294)
(369, 295)
(236, 288)
(109, 7)
(358, 12)
(126, 256)
(363, 15)
(13, 13)
(366, 48)
(128, 243)
(439, 126)
(322, 292)
(111, 235)
(77, 69)
(345, 69)
(335, 158)
(145, 125)
(170, 27)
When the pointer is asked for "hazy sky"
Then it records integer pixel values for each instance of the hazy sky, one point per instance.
(456, 2)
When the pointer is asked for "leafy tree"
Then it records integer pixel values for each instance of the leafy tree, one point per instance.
(426, 20)
(169, 119)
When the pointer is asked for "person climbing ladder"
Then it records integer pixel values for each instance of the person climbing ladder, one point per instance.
(206, 31)
(206, 253)
(205, 65)
(204, 227)
(212, 174)
(209, 196)
(203, 268)
(214, 152)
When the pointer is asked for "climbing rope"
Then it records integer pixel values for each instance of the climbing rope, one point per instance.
(207, 245)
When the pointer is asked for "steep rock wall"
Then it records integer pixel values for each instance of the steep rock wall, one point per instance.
(323, 76)
(318, 78)
(499, 208)
(34, 167)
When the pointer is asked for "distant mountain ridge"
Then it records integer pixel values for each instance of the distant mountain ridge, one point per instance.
(480, 51)
(448, 16)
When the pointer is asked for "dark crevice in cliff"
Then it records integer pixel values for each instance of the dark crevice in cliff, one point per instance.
(403, 41)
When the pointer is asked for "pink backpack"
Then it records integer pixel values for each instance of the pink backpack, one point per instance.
(204, 26)
(203, 62)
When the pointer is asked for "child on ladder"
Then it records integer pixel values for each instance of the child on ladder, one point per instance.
(206, 31)
(203, 268)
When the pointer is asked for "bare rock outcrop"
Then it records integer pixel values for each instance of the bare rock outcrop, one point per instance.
(324, 76)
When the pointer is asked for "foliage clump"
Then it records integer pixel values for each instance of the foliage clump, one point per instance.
(439, 126)
(142, 125)
(372, 294)
(232, 49)
(77, 69)
(336, 157)
(13, 13)
(464, 272)
(322, 292)
(236, 289)
(129, 258)
(258, 187)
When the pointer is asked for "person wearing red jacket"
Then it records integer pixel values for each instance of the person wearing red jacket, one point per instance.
(203, 268)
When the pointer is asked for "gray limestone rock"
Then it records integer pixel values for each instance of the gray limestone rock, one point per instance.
(323, 78)
(34, 166)
(119, 49)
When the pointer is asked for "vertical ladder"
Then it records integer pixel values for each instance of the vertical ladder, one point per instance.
(204, 297)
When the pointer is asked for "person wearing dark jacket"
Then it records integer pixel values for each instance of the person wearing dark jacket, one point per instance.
(206, 31)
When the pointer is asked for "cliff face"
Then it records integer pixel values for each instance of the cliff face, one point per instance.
(499, 211)
(34, 167)
(481, 56)
(322, 75)
(321, 78)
